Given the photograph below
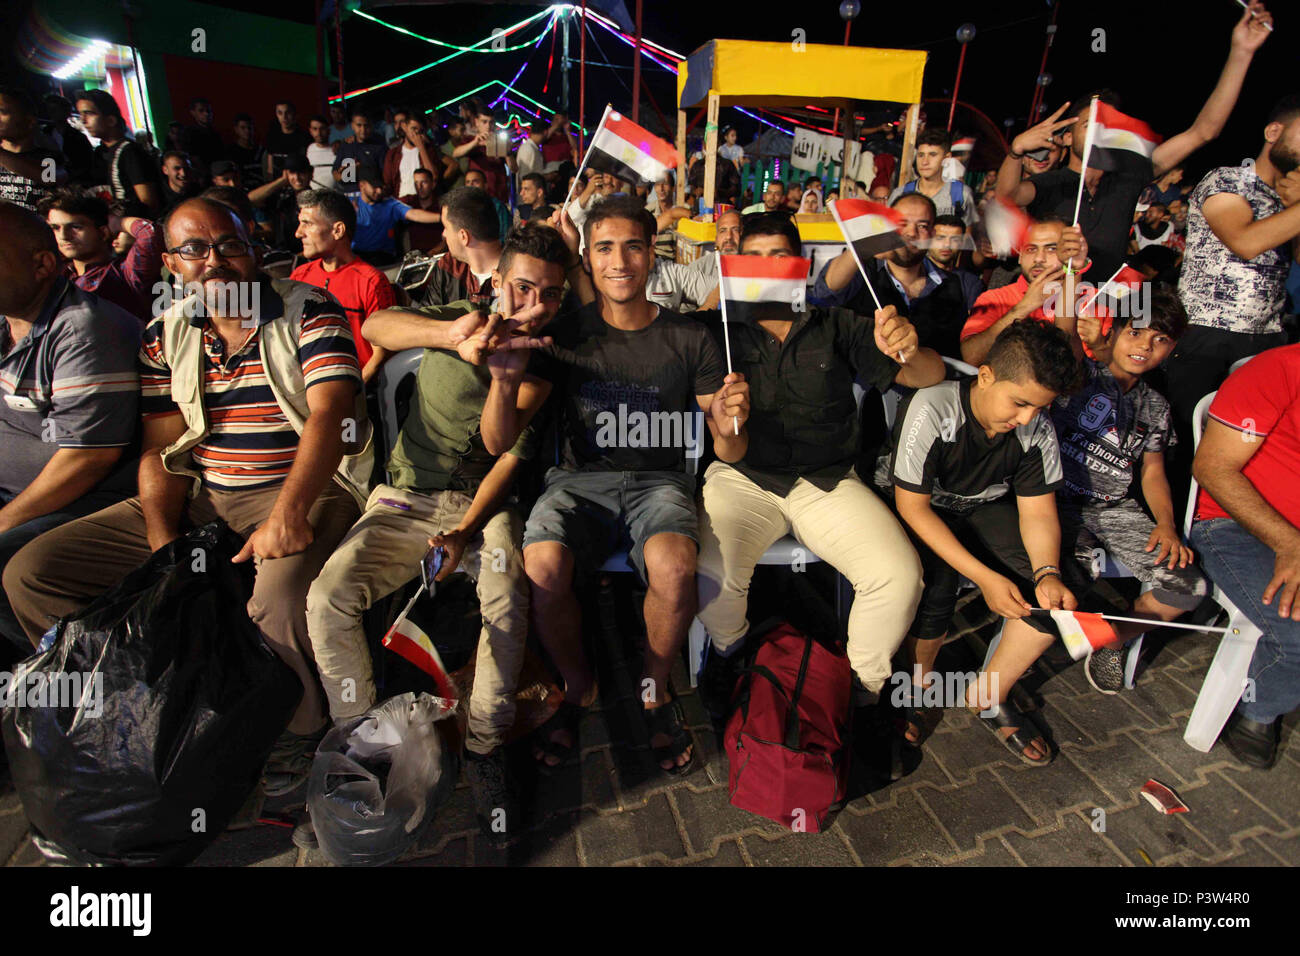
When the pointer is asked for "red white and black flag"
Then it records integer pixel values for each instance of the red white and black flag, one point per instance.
(1117, 141)
(770, 287)
(1118, 295)
(407, 639)
(623, 149)
(871, 228)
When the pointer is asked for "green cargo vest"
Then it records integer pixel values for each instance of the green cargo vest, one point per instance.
(278, 344)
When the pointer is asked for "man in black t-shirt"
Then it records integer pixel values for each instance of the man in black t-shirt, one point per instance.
(362, 149)
(200, 140)
(121, 167)
(246, 153)
(627, 378)
(1109, 198)
(27, 172)
(284, 139)
(797, 473)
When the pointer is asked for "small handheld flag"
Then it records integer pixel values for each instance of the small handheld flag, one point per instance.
(407, 639)
(624, 149)
(869, 229)
(1083, 632)
(1117, 293)
(1115, 141)
(1006, 225)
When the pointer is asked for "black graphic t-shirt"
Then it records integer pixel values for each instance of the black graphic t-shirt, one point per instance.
(626, 400)
(1104, 432)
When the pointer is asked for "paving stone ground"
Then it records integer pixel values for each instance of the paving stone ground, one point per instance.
(963, 800)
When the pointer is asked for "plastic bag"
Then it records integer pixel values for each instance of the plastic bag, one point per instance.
(180, 702)
(377, 780)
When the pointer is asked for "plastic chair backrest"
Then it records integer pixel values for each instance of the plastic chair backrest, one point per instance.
(1200, 415)
(391, 374)
(964, 367)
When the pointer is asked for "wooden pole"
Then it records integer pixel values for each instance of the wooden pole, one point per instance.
(848, 25)
(711, 151)
(909, 144)
(636, 68)
(847, 176)
(681, 153)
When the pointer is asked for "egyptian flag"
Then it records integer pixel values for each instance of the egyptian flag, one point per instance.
(407, 639)
(1119, 295)
(627, 151)
(1083, 632)
(868, 226)
(769, 287)
(1118, 141)
(1006, 225)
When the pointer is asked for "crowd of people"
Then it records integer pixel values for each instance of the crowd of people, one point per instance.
(1034, 430)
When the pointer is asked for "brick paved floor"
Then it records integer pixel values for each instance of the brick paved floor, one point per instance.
(962, 801)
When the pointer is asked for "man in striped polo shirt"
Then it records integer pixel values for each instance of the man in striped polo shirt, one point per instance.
(69, 389)
(266, 439)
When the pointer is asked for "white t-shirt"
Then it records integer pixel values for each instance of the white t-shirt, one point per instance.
(528, 158)
(406, 171)
(322, 165)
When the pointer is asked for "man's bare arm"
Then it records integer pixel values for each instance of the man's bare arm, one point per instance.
(162, 494)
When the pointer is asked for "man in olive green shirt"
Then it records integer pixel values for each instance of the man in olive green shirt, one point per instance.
(445, 489)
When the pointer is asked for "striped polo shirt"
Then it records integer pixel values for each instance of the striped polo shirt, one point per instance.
(250, 443)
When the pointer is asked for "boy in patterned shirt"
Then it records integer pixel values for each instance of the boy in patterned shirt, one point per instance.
(1115, 427)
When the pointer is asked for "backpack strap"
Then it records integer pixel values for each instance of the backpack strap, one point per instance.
(792, 715)
(909, 187)
(956, 191)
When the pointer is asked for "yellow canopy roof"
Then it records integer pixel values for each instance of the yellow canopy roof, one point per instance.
(746, 72)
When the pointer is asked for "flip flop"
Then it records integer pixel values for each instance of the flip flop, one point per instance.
(566, 717)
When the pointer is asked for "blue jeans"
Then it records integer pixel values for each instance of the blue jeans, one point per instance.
(13, 540)
(1242, 565)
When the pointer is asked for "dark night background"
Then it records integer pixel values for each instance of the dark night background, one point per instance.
(1162, 58)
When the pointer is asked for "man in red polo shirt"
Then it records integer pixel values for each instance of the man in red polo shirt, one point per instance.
(1247, 533)
(1047, 246)
(326, 222)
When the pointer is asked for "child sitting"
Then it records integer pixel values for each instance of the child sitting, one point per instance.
(1113, 426)
(961, 451)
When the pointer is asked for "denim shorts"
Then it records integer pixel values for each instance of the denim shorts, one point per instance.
(595, 513)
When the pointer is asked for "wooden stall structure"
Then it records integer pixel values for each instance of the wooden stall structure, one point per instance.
(748, 73)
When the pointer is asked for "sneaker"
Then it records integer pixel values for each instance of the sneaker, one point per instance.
(1105, 669)
(495, 803)
(289, 764)
(718, 683)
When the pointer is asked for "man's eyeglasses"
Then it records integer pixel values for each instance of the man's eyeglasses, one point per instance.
(227, 248)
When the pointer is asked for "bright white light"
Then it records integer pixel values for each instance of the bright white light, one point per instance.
(83, 59)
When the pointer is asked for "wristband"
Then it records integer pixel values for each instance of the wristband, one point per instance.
(1014, 155)
(1043, 577)
(1050, 568)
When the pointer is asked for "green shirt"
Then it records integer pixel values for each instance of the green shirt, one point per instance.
(440, 447)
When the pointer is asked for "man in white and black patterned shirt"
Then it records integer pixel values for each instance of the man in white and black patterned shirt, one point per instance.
(1242, 231)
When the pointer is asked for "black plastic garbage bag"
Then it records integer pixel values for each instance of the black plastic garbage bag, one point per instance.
(377, 780)
(181, 701)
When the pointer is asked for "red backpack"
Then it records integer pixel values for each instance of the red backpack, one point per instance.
(789, 737)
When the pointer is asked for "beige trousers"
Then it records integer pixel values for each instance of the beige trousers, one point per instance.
(848, 527)
(380, 554)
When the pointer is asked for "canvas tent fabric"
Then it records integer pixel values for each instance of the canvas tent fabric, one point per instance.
(745, 72)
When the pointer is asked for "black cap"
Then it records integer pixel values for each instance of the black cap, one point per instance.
(223, 167)
(297, 164)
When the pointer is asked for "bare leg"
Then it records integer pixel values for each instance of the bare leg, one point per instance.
(1148, 607)
(557, 620)
(669, 606)
(923, 653)
(1020, 646)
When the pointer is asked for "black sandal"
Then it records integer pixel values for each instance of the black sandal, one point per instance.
(923, 717)
(1007, 716)
(669, 720)
(566, 717)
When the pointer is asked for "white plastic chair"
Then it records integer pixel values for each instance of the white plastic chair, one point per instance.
(1226, 679)
(396, 369)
